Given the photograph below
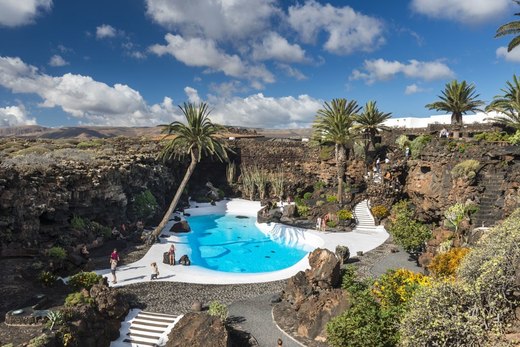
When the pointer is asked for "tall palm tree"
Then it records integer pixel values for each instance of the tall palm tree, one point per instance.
(370, 123)
(511, 94)
(195, 138)
(457, 98)
(333, 124)
(510, 115)
(511, 28)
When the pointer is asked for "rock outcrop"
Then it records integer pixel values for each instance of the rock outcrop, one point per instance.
(312, 298)
(199, 329)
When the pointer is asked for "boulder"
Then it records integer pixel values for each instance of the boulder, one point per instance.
(289, 211)
(297, 290)
(325, 269)
(109, 302)
(180, 227)
(199, 329)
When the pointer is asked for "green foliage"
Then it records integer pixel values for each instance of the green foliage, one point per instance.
(332, 224)
(57, 252)
(90, 144)
(145, 205)
(78, 299)
(307, 196)
(303, 210)
(77, 222)
(379, 211)
(402, 141)
(332, 198)
(319, 185)
(455, 214)
(477, 304)
(326, 153)
(345, 215)
(418, 144)
(55, 318)
(466, 169)
(47, 278)
(407, 232)
(320, 203)
(218, 309)
(36, 150)
(84, 280)
(491, 136)
(40, 341)
(396, 287)
(515, 138)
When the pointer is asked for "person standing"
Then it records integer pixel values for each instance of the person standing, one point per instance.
(171, 255)
(114, 259)
(155, 271)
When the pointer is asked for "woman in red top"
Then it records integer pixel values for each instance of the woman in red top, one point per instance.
(171, 254)
(114, 259)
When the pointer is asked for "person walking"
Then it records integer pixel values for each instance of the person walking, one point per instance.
(171, 255)
(279, 342)
(114, 259)
(155, 271)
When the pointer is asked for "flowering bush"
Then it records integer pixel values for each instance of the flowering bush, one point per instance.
(379, 211)
(345, 215)
(396, 287)
(446, 264)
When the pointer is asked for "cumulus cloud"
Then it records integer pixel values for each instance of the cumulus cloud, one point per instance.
(380, 70)
(192, 94)
(15, 115)
(19, 12)
(348, 31)
(513, 56)
(205, 53)
(460, 10)
(82, 97)
(105, 31)
(276, 47)
(413, 89)
(291, 71)
(215, 19)
(57, 60)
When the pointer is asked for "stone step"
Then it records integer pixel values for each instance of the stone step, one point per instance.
(140, 342)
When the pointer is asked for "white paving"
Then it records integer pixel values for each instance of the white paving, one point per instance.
(365, 237)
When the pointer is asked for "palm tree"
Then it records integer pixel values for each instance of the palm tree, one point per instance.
(510, 115)
(511, 28)
(457, 98)
(511, 93)
(195, 138)
(333, 124)
(370, 123)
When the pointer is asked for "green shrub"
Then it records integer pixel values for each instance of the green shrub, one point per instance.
(84, 280)
(218, 309)
(515, 138)
(57, 252)
(418, 144)
(307, 196)
(145, 205)
(303, 210)
(40, 341)
(332, 198)
(407, 232)
(319, 185)
(445, 265)
(77, 299)
(326, 153)
(345, 215)
(491, 136)
(36, 150)
(466, 169)
(320, 203)
(402, 141)
(78, 223)
(47, 278)
(332, 224)
(90, 144)
(55, 318)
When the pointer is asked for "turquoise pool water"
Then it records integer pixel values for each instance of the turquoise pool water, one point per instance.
(232, 243)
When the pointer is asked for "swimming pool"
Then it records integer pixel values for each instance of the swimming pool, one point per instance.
(233, 243)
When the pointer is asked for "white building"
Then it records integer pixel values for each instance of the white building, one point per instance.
(418, 122)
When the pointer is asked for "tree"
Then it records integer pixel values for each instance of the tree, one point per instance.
(511, 28)
(195, 138)
(457, 98)
(333, 124)
(507, 105)
(370, 123)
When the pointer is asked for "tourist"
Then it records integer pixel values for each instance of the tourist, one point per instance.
(155, 271)
(114, 259)
(115, 233)
(318, 223)
(279, 342)
(387, 161)
(407, 152)
(444, 133)
(171, 255)
(378, 165)
(139, 225)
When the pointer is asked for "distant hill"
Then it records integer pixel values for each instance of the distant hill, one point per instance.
(91, 132)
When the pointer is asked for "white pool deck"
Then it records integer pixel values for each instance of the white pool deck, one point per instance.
(139, 271)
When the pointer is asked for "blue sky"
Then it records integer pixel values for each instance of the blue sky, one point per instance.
(258, 63)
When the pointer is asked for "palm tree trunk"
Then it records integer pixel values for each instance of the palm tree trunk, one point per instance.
(456, 122)
(177, 196)
(340, 162)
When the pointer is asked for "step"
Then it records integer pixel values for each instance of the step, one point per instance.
(146, 323)
(140, 342)
(148, 313)
(146, 330)
(153, 319)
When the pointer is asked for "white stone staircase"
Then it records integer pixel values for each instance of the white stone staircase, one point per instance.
(365, 221)
(142, 328)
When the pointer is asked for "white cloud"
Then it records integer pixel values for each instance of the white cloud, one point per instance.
(57, 60)
(513, 56)
(19, 12)
(276, 47)
(380, 70)
(205, 53)
(82, 97)
(105, 31)
(215, 19)
(192, 94)
(267, 112)
(467, 11)
(413, 89)
(348, 31)
(15, 115)
(291, 71)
